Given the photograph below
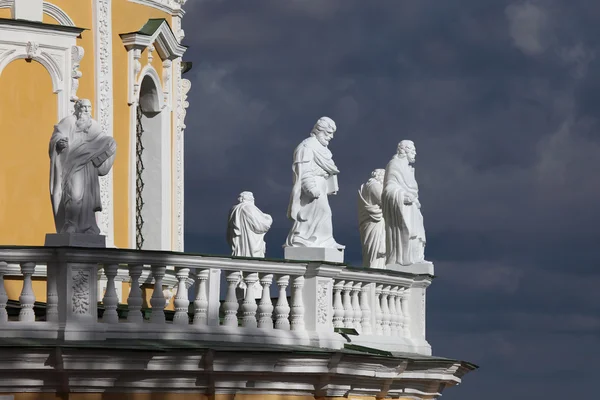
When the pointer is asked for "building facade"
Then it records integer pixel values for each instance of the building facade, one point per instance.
(125, 56)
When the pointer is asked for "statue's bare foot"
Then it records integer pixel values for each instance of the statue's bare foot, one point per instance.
(339, 246)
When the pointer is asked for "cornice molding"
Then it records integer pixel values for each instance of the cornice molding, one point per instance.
(167, 45)
(173, 7)
(51, 9)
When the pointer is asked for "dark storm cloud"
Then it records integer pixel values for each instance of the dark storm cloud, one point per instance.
(501, 99)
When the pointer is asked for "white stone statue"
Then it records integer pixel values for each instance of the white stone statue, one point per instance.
(405, 234)
(370, 221)
(315, 177)
(247, 228)
(79, 153)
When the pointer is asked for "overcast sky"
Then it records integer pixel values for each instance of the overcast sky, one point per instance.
(502, 101)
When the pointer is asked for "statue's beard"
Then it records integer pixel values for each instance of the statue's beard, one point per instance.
(84, 122)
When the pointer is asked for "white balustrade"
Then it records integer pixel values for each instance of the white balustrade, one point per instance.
(308, 301)
(181, 302)
(297, 317)
(201, 301)
(338, 306)
(27, 297)
(378, 311)
(135, 301)
(249, 306)
(3, 295)
(356, 310)
(393, 312)
(265, 308)
(282, 309)
(365, 322)
(110, 299)
(230, 305)
(347, 300)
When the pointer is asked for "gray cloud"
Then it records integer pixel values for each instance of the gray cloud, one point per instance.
(501, 99)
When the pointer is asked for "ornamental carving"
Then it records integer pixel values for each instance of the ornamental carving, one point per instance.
(104, 104)
(32, 50)
(322, 303)
(81, 292)
(77, 53)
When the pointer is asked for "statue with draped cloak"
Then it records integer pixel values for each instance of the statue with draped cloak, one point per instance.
(405, 233)
(247, 228)
(314, 179)
(79, 154)
(370, 221)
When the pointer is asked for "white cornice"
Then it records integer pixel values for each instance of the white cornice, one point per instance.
(51, 9)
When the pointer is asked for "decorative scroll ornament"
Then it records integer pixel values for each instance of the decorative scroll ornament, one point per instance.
(77, 53)
(32, 50)
(322, 309)
(81, 292)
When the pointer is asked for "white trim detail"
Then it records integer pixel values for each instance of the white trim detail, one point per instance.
(182, 88)
(77, 53)
(51, 9)
(104, 106)
(53, 51)
(163, 39)
(168, 6)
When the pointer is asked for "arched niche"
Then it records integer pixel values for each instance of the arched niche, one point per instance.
(152, 166)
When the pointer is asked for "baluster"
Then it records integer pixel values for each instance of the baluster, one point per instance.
(406, 313)
(400, 312)
(27, 297)
(338, 306)
(385, 311)
(348, 311)
(282, 309)
(158, 301)
(249, 305)
(265, 308)
(110, 299)
(378, 311)
(3, 295)
(393, 311)
(181, 302)
(297, 319)
(366, 310)
(356, 320)
(230, 305)
(52, 292)
(135, 301)
(201, 302)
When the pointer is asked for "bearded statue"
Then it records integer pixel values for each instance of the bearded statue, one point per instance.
(79, 154)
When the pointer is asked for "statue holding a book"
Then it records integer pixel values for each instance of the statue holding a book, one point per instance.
(79, 154)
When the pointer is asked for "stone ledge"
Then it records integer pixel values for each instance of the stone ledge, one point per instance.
(75, 240)
(314, 254)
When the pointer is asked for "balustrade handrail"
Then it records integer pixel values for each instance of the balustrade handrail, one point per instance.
(43, 254)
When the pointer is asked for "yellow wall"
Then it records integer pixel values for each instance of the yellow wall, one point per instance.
(32, 109)
(28, 111)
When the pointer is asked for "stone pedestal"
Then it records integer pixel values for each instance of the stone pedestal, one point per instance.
(422, 268)
(74, 240)
(314, 254)
(76, 306)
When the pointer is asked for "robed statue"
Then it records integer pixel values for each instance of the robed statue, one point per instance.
(247, 228)
(405, 233)
(370, 221)
(79, 154)
(314, 179)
